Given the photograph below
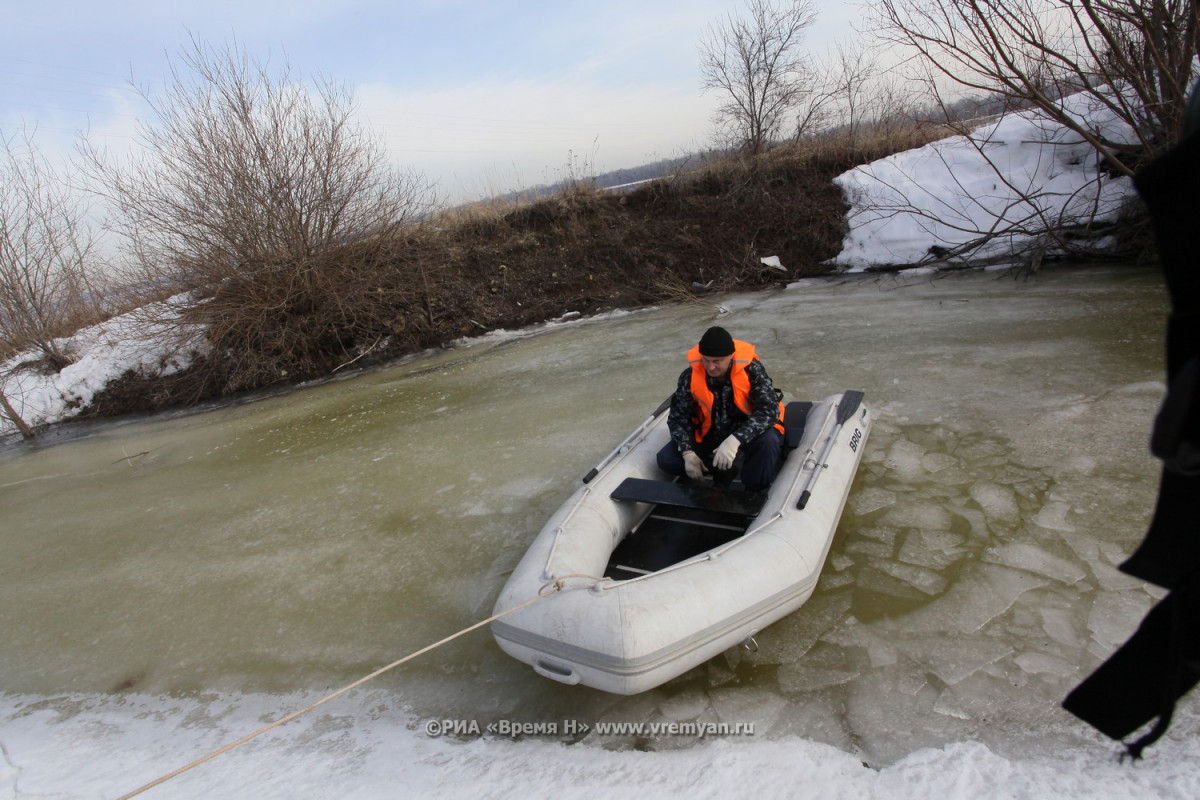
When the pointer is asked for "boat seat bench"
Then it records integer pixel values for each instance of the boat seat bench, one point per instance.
(697, 496)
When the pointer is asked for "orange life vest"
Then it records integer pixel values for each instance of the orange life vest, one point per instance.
(743, 354)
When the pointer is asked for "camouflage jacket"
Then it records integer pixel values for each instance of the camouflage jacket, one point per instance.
(727, 417)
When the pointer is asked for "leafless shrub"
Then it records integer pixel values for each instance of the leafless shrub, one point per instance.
(245, 185)
(45, 293)
(854, 95)
(241, 169)
(1111, 74)
(44, 244)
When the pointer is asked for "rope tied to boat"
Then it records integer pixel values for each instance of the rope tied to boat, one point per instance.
(546, 590)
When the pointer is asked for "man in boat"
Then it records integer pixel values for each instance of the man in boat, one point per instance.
(724, 406)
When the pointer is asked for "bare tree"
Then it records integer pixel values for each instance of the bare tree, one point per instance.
(246, 186)
(852, 76)
(240, 169)
(44, 243)
(1132, 57)
(756, 64)
(852, 93)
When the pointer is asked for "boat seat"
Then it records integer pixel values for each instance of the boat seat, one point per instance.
(683, 495)
(795, 415)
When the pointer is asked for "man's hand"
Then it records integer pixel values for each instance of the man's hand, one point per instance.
(693, 465)
(723, 457)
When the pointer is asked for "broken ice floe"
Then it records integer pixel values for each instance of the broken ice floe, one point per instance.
(1060, 625)
(935, 550)
(793, 636)
(946, 658)
(998, 502)
(905, 461)
(1046, 664)
(983, 593)
(1026, 556)
(870, 500)
(926, 515)
(1053, 516)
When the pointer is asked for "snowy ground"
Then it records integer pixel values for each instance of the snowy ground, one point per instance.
(939, 196)
(1020, 173)
(146, 341)
(366, 751)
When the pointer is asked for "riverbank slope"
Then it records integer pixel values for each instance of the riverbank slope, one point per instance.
(731, 224)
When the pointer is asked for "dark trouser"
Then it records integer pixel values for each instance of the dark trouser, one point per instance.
(759, 459)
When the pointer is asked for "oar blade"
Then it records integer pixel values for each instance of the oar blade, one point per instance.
(851, 400)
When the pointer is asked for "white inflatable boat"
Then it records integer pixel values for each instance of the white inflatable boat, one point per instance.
(656, 576)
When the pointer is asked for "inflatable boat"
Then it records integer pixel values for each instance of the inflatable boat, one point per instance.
(654, 575)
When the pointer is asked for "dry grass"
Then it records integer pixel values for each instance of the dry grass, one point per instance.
(505, 265)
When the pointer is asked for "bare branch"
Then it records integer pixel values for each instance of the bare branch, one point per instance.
(248, 189)
(755, 64)
(44, 246)
(1133, 57)
(8, 411)
(241, 168)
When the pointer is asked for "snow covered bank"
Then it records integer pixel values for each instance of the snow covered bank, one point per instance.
(148, 341)
(89, 746)
(1021, 174)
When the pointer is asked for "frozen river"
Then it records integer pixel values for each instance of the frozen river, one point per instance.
(170, 584)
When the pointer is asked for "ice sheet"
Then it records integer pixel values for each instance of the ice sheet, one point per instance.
(1031, 558)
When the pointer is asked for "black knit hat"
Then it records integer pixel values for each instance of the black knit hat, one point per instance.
(716, 342)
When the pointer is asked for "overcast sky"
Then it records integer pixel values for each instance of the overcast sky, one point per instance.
(481, 97)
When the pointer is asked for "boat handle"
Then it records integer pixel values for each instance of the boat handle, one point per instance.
(556, 672)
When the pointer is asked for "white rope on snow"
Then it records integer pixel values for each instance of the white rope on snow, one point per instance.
(545, 591)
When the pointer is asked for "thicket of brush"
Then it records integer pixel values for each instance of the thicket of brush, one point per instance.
(490, 266)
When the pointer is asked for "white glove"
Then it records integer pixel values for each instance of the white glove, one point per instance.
(724, 455)
(693, 465)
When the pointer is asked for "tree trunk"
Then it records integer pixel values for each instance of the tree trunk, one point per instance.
(12, 414)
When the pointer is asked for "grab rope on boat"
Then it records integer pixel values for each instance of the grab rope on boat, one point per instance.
(547, 589)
